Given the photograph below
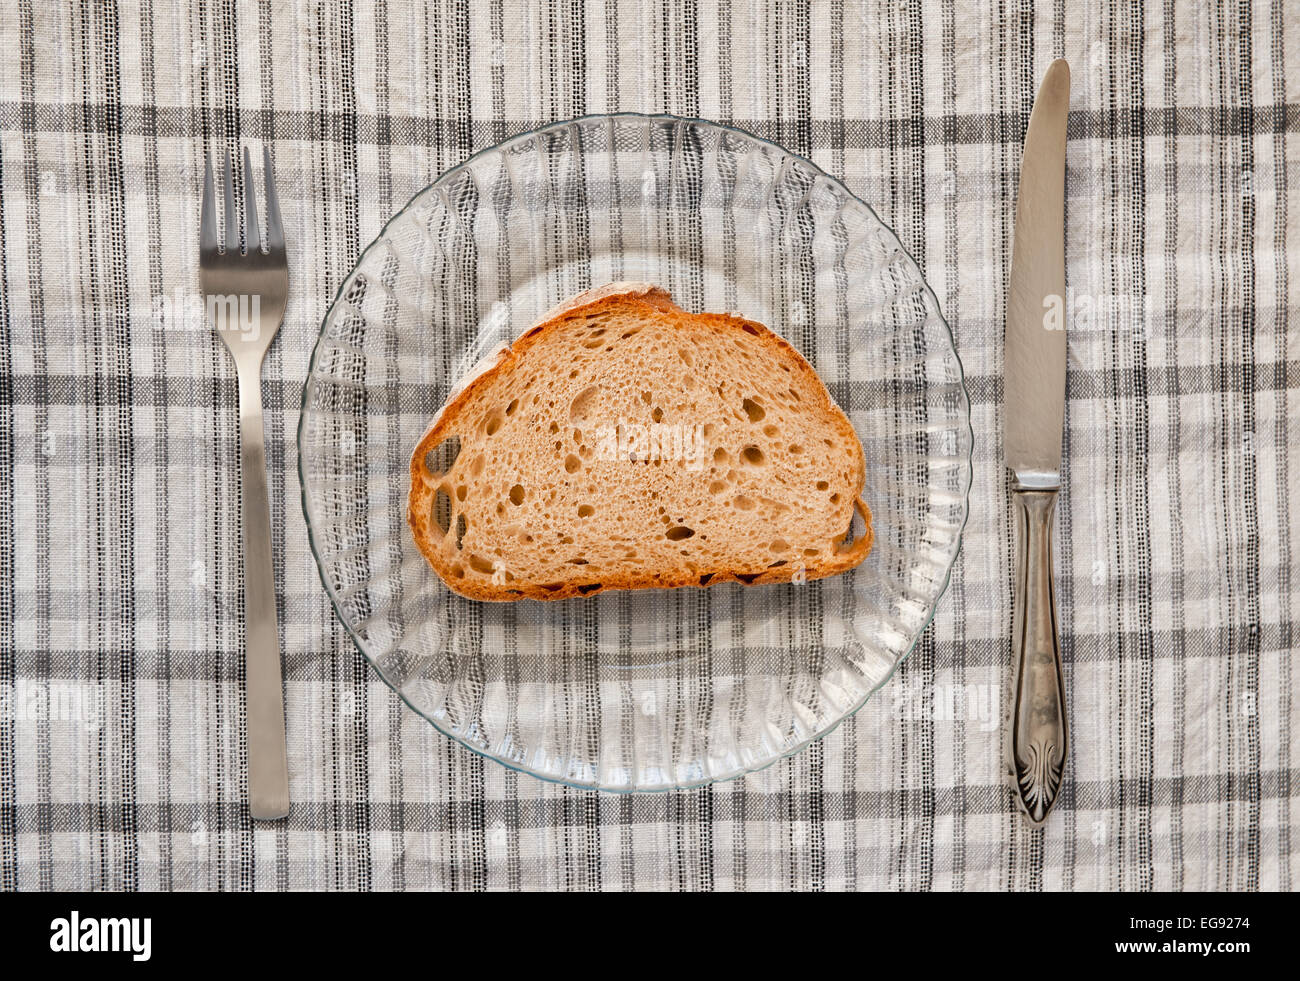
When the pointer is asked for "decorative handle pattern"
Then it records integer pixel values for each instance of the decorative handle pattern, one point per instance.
(1039, 729)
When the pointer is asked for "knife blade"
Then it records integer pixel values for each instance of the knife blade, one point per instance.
(1033, 422)
(1034, 374)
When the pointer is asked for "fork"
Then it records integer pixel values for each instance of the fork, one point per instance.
(245, 295)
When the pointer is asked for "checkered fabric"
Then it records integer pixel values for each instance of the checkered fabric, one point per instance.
(121, 736)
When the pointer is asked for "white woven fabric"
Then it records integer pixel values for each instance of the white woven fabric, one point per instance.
(121, 740)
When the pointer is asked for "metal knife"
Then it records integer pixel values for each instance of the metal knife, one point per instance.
(1033, 417)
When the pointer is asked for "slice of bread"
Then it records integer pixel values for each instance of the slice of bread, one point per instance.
(623, 443)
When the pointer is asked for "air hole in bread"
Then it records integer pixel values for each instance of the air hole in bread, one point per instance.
(572, 464)
(685, 355)
(822, 485)
(717, 487)
(517, 495)
(585, 510)
(645, 397)
(780, 545)
(462, 492)
(583, 403)
(577, 561)
(480, 564)
(551, 587)
(743, 502)
(492, 425)
(857, 527)
(796, 449)
(753, 456)
(589, 588)
(704, 579)
(442, 511)
(777, 564)
(755, 411)
(748, 577)
(462, 526)
(442, 457)
(555, 428)
(750, 329)
(770, 431)
(657, 415)
(510, 409)
(721, 457)
(458, 571)
(835, 498)
(678, 533)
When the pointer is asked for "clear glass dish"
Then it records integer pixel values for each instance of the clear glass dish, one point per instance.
(645, 690)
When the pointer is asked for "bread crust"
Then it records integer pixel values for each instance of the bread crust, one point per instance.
(424, 483)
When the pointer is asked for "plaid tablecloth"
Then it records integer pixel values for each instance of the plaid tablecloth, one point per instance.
(121, 759)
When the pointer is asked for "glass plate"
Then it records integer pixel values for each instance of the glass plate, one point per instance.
(645, 690)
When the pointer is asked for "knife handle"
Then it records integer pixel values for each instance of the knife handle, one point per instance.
(1039, 730)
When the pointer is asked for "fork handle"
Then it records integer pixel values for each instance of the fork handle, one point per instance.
(268, 767)
(1039, 730)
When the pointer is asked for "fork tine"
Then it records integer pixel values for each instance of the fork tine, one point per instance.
(208, 216)
(232, 216)
(274, 229)
(252, 241)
